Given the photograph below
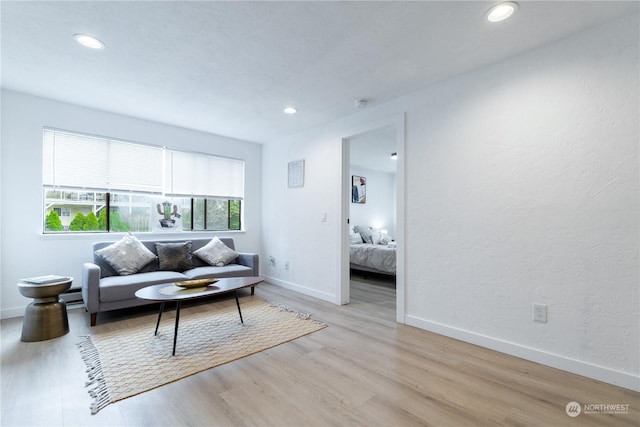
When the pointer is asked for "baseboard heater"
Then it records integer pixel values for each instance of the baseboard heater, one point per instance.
(72, 296)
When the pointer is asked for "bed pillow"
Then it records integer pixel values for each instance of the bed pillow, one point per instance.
(127, 256)
(379, 238)
(174, 256)
(365, 232)
(355, 238)
(216, 253)
(385, 239)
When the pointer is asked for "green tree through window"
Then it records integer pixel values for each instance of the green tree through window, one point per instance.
(77, 223)
(53, 222)
(91, 222)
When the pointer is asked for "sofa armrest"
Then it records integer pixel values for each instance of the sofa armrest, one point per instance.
(250, 260)
(91, 287)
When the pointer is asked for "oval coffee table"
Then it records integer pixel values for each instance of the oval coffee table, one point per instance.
(169, 292)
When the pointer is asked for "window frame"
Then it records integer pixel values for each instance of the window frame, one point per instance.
(63, 191)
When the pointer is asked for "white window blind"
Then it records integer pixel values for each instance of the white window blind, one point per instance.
(84, 161)
(201, 175)
(74, 161)
(135, 167)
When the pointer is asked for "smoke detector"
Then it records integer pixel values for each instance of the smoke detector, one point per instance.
(361, 103)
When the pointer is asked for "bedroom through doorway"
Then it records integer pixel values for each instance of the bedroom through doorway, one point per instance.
(372, 211)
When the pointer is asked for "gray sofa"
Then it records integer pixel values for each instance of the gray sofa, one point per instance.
(103, 289)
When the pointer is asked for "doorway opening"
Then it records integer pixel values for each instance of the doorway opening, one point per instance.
(373, 212)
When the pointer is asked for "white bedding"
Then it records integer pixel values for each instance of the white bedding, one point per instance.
(378, 257)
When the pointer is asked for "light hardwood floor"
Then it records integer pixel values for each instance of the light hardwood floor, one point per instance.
(363, 370)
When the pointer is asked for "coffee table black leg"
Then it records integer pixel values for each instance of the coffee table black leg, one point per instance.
(175, 333)
(159, 316)
(238, 304)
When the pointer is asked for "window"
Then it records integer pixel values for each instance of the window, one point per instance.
(214, 214)
(94, 184)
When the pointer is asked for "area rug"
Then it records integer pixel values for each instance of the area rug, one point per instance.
(125, 362)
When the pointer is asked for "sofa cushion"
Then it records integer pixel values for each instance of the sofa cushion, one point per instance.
(174, 256)
(128, 255)
(117, 288)
(230, 270)
(216, 253)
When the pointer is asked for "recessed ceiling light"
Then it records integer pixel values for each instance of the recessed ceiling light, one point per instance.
(501, 11)
(88, 41)
(290, 110)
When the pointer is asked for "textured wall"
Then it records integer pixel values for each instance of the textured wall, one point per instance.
(521, 188)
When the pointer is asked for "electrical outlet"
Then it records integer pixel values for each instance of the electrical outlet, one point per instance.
(286, 265)
(540, 313)
(272, 261)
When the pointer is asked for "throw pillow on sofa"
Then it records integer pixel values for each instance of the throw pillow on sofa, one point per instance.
(127, 256)
(216, 253)
(174, 256)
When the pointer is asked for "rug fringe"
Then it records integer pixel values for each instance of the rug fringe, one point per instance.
(298, 314)
(97, 386)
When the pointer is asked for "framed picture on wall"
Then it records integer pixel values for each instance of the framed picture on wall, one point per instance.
(358, 189)
(296, 174)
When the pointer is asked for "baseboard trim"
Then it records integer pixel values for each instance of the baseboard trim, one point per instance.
(574, 366)
(10, 313)
(301, 289)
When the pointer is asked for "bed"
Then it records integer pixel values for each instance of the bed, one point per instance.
(371, 251)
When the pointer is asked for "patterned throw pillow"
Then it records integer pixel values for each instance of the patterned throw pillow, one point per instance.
(216, 253)
(127, 256)
(174, 256)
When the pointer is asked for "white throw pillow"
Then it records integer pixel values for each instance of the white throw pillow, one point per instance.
(127, 256)
(216, 253)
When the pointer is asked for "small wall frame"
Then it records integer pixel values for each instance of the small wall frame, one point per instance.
(358, 189)
(296, 174)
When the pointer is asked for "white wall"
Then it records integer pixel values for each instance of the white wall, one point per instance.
(521, 187)
(379, 210)
(25, 250)
(298, 232)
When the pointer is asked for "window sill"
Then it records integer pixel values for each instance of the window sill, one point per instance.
(140, 235)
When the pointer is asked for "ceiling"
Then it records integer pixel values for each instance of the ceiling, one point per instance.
(229, 68)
